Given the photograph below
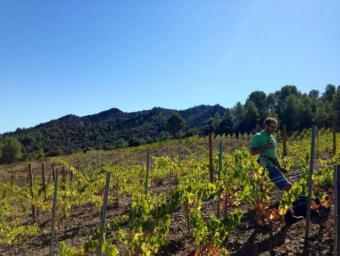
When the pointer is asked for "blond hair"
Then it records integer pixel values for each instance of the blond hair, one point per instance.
(270, 120)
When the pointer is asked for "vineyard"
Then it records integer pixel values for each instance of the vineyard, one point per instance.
(161, 201)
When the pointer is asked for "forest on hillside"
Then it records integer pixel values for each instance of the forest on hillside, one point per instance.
(114, 128)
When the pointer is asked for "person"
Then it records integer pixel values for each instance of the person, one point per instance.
(264, 144)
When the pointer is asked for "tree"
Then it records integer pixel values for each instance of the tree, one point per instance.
(191, 132)
(164, 135)
(290, 112)
(121, 143)
(336, 105)
(329, 92)
(314, 94)
(237, 113)
(212, 125)
(11, 150)
(259, 98)
(272, 103)
(174, 124)
(321, 116)
(286, 91)
(134, 142)
(306, 114)
(226, 125)
(251, 116)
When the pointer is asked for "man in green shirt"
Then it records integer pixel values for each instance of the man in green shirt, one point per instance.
(264, 144)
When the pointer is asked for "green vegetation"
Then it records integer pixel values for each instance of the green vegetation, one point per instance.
(144, 229)
(114, 129)
(10, 150)
(174, 124)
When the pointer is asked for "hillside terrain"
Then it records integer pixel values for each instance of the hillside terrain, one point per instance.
(110, 129)
(179, 189)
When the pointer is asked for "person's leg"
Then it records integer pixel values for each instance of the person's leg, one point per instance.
(279, 179)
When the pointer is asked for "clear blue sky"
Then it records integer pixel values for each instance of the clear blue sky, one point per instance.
(82, 57)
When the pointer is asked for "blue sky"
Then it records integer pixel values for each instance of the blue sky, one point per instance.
(82, 57)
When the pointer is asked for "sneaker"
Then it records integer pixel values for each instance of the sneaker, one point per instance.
(290, 218)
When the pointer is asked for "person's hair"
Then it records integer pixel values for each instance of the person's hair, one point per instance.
(270, 120)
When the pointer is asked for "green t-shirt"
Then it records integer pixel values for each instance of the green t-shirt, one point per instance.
(259, 140)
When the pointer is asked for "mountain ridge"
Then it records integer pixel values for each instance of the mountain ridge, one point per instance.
(109, 129)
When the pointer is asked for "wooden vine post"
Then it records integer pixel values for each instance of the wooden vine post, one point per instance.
(219, 180)
(53, 176)
(30, 177)
(310, 173)
(54, 210)
(334, 137)
(337, 209)
(43, 178)
(211, 170)
(147, 171)
(284, 140)
(103, 215)
(13, 179)
(70, 173)
(64, 176)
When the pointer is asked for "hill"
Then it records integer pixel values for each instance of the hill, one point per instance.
(109, 129)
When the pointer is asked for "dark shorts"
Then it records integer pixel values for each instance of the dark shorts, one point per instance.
(278, 178)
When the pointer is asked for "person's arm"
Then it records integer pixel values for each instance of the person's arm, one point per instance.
(279, 165)
(255, 151)
(277, 162)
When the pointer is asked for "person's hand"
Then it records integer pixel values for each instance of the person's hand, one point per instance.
(283, 170)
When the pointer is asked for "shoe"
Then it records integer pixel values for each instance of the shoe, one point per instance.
(290, 218)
